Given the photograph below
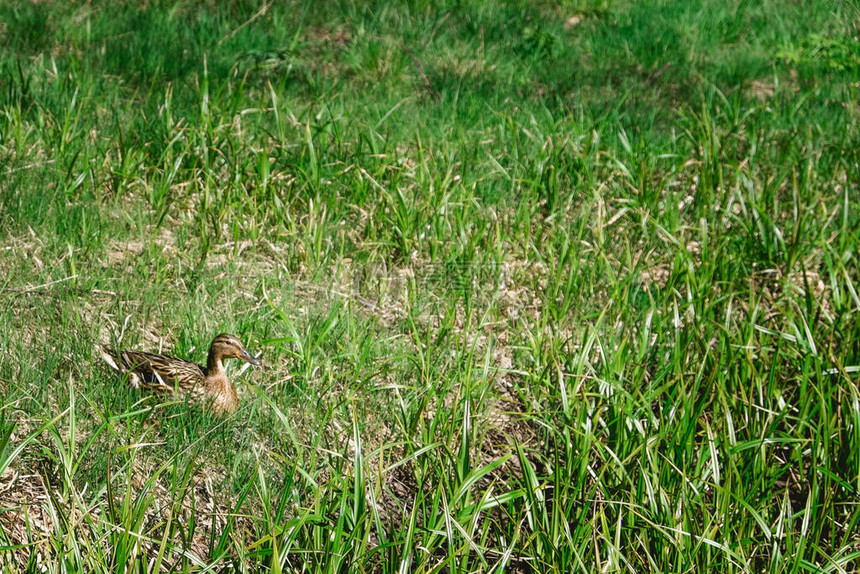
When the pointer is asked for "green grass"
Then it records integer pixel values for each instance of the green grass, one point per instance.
(532, 294)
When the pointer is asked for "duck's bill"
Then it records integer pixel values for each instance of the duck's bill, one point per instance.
(246, 356)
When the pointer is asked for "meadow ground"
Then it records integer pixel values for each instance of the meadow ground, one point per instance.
(538, 286)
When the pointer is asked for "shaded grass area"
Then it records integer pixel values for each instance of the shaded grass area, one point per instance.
(538, 287)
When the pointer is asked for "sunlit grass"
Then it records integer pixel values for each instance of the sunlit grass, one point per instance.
(537, 287)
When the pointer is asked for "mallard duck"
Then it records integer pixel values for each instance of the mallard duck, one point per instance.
(164, 374)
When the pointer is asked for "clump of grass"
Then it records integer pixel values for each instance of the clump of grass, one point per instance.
(537, 287)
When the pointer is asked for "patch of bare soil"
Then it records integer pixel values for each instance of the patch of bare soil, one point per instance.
(120, 254)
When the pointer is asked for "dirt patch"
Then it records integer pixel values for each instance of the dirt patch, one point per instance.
(121, 252)
(573, 21)
(762, 90)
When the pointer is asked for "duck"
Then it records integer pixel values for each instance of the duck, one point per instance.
(164, 374)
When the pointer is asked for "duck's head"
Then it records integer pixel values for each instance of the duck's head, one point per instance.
(226, 346)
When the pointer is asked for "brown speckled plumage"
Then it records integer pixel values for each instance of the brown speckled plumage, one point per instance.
(167, 375)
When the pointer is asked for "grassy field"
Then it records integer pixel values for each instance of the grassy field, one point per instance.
(538, 287)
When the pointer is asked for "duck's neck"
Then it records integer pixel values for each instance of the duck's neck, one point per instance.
(214, 366)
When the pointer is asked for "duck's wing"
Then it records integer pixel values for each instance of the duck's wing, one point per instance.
(154, 371)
